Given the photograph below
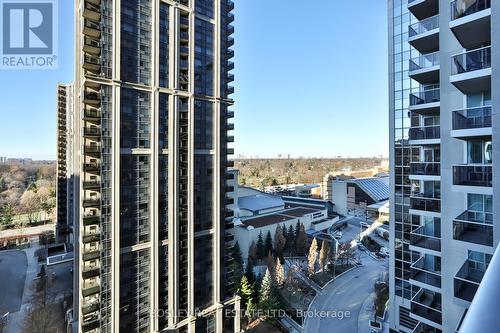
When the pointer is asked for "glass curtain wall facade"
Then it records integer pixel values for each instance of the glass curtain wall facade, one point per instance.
(154, 234)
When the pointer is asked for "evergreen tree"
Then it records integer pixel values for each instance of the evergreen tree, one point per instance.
(237, 263)
(285, 235)
(268, 299)
(324, 254)
(252, 253)
(245, 291)
(301, 242)
(312, 257)
(268, 246)
(290, 244)
(279, 273)
(261, 250)
(249, 273)
(279, 241)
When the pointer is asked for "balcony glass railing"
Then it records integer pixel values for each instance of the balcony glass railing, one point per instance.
(424, 133)
(474, 227)
(424, 97)
(423, 273)
(461, 8)
(422, 237)
(478, 117)
(425, 202)
(471, 61)
(473, 175)
(423, 26)
(424, 61)
(427, 305)
(425, 168)
(467, 281)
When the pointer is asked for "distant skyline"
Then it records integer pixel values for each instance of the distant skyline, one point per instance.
(305, 85)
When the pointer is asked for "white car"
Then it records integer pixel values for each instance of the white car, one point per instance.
(338, 235)
(384, 250)
(364, 225)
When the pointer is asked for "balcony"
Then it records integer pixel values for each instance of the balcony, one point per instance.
(92, 116)
(92, 64)
(466, 282)
(91, 220)
(424, 328)
(471, 22)
(425, 133)
(425, 202)
(92, 132)
(91, 11)
(426, 102)
(91, 185)
(92, 46)
(91, 237)
(424, 35)
(92, 98)
(422, 9)
(427, 238)
(424, 273)
(471, 71)
(473, 227)
(184, 36)
(473, 175)
(472, 122)
(91, 255)
(91, 203)
(427, 305)
(90, 307)
(425, 168)
(91, 29)
(93, 168)
(425, 68)
(90, 289)
(90, 272)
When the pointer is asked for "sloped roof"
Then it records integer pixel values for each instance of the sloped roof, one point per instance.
(376, 188)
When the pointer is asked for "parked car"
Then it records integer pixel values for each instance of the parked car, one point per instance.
(383, 233)
(364, 225)
(361, 247)
(384, 251)
(338, 235)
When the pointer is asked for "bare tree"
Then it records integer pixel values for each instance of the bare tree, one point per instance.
(280, 273)
(324, 254)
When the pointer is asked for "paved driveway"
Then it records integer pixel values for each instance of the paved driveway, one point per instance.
(13, 264)
(347, 293)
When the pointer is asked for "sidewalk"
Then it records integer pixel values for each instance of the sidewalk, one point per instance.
(15, 324)
(365, 315)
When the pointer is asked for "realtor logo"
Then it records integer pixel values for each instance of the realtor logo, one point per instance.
(29, 33)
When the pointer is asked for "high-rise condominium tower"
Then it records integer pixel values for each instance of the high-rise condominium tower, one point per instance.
(65, 157)
(444, 117)
(153, 239)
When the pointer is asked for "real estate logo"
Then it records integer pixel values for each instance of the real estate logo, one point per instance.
(29, 34)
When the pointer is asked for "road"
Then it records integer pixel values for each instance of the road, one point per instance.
(347, 293)
(13, 264)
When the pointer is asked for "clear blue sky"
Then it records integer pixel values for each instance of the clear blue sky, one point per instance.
(311, 80)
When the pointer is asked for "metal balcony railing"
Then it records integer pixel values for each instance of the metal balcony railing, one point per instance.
(471, 61)
(427, 305)
(473, 175)
(477, 117)
(466, 282)
(425, 202)
(462, 8)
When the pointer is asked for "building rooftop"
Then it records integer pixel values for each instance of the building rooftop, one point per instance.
(265, 220)
(376, 188)
(257, 202)
(300, 211)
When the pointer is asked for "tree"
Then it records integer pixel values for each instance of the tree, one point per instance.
(30, 202)
(290, 242)
(245, 291)
(279, 241)
(267, 295)
(312, 257)
(268, 246)
(279, 273)
(237, 263)
(301, 242)
(6, 214)
(249, 273)
(269, 261)
(324, 254)
(252, 253)
(261, 250)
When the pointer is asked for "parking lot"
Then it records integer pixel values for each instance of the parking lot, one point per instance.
(353, 230)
